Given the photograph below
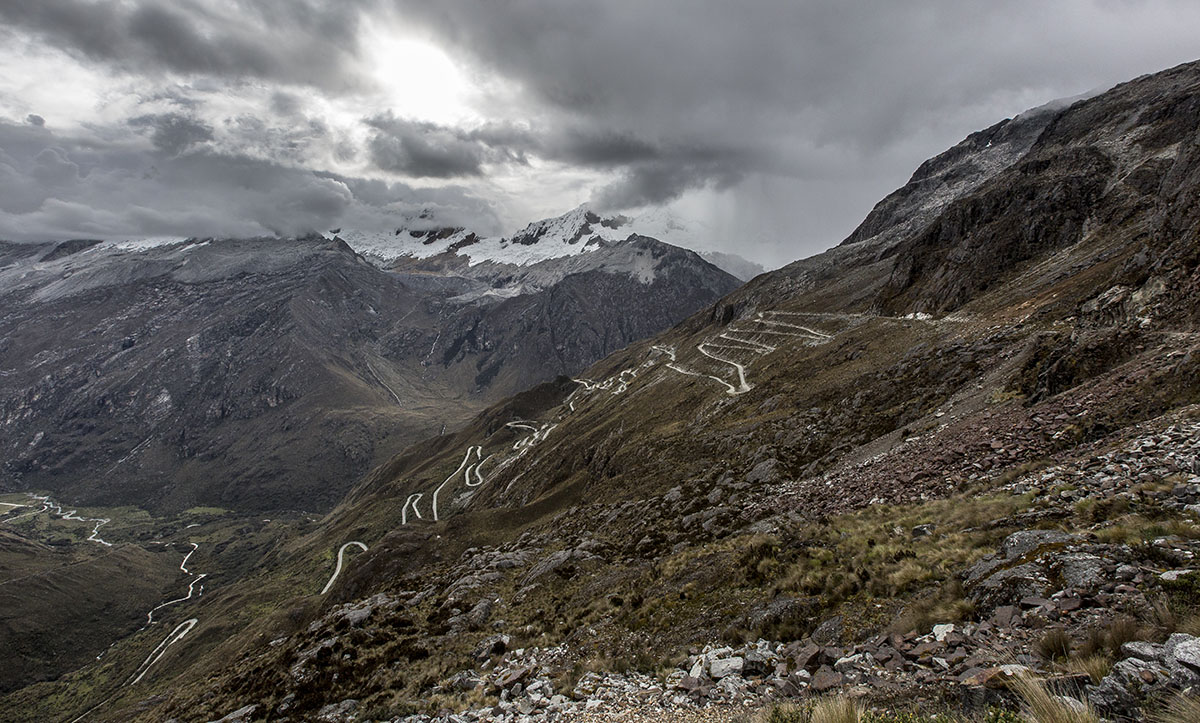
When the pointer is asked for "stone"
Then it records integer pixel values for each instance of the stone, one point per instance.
(922, 531)
(724, 667)
(941, 631)
(478, 615)
(1019, 544)
(1142, 650)
(549, 564)
(587, 686)
(828, 632)
(1003, 615)
(765, 472)
(513, 676)
(1069, 604)
(1120, 692)
(1081, 570)
(465, 681)
(1007, 586)
(1035, 601)
(756, 664)
(825, 679)
(994, 677)
(1184, 649)
(342, 712)
(241, 715)
(805, 657)
(493, 645)
(850, 662)
(689, 684)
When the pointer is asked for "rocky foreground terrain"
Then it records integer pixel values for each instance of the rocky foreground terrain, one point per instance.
(946, 470)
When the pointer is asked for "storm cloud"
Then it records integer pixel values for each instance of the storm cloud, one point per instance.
(309, 42)
(64, 187)
(775, 125)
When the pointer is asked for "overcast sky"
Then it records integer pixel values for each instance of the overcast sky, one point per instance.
(770, 127)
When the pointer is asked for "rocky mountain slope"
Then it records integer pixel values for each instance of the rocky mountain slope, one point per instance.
(202, 372)
(952, 453)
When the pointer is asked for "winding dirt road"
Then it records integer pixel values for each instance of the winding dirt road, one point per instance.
(340, 559)
(175, 636)
(746, 337)
(191, 586)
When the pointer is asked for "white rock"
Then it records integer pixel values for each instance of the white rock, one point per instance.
(726, 666)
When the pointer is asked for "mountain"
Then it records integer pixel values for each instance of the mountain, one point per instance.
(736, 265)
(576, 232)
(964, 437)
(177, 374)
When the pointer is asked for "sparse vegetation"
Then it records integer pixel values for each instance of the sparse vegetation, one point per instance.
(1180, 709)
(1054, 645)
(1043, 706)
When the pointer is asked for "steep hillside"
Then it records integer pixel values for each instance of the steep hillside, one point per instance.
(897, 466)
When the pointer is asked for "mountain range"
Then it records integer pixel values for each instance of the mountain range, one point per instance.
(178, 374)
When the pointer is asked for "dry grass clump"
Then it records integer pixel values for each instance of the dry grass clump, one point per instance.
(1181, 709)
(1054, 645)
(1094, 666)
(830, 709)
(1042, 706)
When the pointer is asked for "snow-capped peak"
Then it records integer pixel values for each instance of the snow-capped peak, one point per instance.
(575, 232)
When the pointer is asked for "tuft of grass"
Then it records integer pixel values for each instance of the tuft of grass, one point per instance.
(829, 709)
(1095, 666)
(783, 713)
(1055, 645)
(1042, 706)
(948, 605)
(836, 709)
(1181, 709)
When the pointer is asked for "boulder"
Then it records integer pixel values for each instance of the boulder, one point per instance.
(1081, 570)
(765, 472)
(756, 664)
(241, 715)
(1019, 544)
(1009, 586)
(1121, 691)
(492, 645)
(828, 632)
(718, 669)
(825, 679)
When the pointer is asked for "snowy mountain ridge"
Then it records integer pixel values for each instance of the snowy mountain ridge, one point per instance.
(576, 232)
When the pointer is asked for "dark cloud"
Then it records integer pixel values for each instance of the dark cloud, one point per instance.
(174, 133)
(54, 186)
(308, 42)
(424, 150)
(659, 182)
(792, 91)
(648, 173)
(799, 115)
(35, 120)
